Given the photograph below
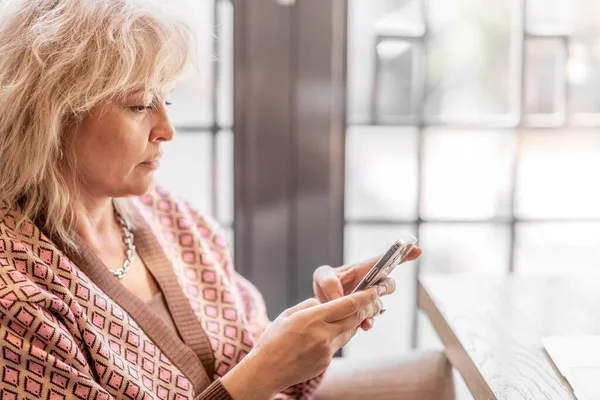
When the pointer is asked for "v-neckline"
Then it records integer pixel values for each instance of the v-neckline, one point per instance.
(193, 356)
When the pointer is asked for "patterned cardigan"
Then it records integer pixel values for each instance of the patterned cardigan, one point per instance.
(70, 330)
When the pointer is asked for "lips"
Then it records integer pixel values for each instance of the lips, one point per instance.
(153, 159)
(153, 163)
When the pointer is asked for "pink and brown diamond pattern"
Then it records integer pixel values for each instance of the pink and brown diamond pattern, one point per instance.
(46, 303)
(230, 308)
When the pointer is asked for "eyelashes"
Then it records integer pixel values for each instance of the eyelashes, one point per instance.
(145, 108)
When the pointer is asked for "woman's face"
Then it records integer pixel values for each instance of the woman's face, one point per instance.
(118, 146)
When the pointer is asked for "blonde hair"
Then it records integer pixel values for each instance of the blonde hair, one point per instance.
(58, 59)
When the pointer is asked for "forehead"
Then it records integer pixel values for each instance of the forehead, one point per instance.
(160, 92)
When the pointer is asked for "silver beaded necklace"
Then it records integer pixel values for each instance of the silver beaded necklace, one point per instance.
(130, 250)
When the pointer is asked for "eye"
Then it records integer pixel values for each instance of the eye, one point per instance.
(139, 109)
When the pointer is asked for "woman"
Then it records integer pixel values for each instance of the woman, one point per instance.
(111, 287)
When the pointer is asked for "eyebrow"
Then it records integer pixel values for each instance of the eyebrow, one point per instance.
(138, 92)
(154, 94)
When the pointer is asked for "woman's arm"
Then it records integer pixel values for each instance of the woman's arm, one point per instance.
(40, 358)
(249, 380)
(256, 315)
(286, 357)
(255, 308)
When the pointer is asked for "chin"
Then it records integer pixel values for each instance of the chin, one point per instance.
(140, 188)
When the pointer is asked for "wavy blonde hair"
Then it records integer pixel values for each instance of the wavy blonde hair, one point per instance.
(58, 59)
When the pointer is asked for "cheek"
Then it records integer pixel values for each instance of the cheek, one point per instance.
(104, 153)
(109, 145)
(107, 153)
(124, 149)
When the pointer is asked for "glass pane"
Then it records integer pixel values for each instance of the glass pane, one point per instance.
(467, 174)
(225, 182)
(545, 82)
(192, 97)
(551, 17)
(557, 175)
(558, 248)
(395, 76)
(367, 20)
(391, 334)
(472, 60)
(186, 169)
(459, 248)
(577, 19)
(225, 62)
(381, 173)
(584, 78)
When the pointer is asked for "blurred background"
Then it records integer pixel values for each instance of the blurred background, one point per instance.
(317, 132)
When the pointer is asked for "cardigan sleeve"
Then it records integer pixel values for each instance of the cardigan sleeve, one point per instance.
(39, 358)
(215, 391)
(254, 306)
(45, 339)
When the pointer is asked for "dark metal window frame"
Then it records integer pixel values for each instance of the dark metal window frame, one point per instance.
(289, 143)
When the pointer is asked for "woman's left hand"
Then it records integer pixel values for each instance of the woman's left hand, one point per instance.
(332, 283)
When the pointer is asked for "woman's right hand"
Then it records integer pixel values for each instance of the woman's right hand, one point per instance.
(300, 344)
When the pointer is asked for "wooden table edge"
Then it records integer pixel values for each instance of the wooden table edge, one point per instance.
(456, 353)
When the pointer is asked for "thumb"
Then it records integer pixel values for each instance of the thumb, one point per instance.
(346, 306)
(327, 284)
(301, 306)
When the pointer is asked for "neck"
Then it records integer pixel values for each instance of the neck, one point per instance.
(95, 220)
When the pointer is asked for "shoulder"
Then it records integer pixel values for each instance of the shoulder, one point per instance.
(193, 236)
(160, 202)
(176, 214)
(28, 261)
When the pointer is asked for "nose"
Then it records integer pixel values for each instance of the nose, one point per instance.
(162, 129)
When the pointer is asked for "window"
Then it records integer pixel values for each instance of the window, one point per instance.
(471, 124)
(198, 164)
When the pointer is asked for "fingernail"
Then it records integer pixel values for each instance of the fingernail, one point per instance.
(381, 290)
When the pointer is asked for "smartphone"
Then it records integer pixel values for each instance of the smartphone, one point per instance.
(386, 264)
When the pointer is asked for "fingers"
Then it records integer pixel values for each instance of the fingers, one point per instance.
(367, 264)
(368, 324)
(350, 275)
(347, 306)
(389, 285)
(355, 321)
(327, 284)
(301, 306)
(414, 254)
(369, 310)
